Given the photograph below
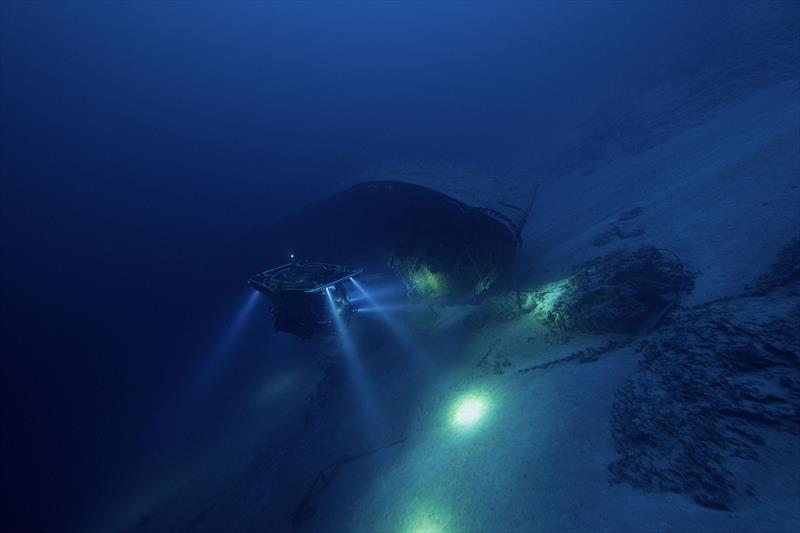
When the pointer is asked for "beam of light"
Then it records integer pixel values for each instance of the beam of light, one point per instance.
(382, 311)
(224, 346)
(469, 410)
(211, 366)
(385, 291)
(384, 308)
(366, 396)
(341, 329)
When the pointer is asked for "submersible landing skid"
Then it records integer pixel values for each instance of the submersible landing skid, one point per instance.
(299, 292)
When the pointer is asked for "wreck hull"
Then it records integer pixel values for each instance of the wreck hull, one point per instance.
(441, 247)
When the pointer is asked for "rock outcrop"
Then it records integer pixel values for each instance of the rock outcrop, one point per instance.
(706, 386)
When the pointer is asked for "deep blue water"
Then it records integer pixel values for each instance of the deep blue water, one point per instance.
(144, 145)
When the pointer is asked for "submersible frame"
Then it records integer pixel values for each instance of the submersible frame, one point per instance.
(297, 291)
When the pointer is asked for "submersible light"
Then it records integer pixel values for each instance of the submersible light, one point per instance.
(362, 386)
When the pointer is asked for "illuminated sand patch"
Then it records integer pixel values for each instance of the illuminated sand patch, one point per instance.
(428, 520)
(469, 410)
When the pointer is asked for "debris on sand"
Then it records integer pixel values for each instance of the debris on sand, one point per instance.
(501, 307)
(492, 362)
(587, 355)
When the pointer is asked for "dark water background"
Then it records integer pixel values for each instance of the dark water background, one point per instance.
(144, 145)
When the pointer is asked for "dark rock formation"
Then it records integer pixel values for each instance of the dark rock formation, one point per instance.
(784, 272)
(705, 386)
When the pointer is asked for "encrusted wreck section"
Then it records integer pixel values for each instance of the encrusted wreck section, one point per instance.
(621, 292)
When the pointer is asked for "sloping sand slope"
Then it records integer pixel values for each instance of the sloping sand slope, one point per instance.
(396, 455)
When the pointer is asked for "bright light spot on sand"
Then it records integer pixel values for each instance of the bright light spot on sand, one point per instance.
(424, 527)
(428, 521)
(469, 410)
